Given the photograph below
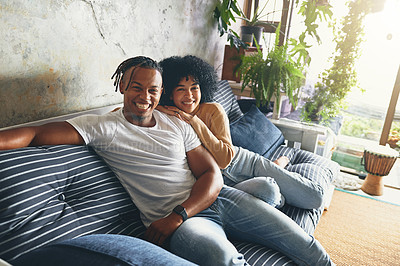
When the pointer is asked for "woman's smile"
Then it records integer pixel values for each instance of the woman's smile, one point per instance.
(186, 95)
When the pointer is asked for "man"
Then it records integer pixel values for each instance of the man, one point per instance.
(172, 179)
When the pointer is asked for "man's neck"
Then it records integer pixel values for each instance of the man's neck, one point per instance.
(141, 121)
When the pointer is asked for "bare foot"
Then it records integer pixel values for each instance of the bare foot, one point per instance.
(282, 161)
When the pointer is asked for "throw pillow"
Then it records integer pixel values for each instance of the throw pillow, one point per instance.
(253, 131)
(245, 105)
(227, 99)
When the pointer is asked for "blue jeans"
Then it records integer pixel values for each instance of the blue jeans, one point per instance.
(203, 238)
(264, 188)
(297, 190)
(102, 250)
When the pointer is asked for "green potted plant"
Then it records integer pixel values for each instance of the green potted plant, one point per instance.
(225, 12)
(254, 26)
(271, 76)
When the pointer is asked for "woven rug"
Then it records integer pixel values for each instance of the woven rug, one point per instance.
(357, 230)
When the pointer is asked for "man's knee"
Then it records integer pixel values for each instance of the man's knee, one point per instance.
(203, 242)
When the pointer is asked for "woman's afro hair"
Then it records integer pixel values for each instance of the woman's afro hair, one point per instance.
(177, 67)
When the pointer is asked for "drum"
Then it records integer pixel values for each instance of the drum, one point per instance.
(378, 161)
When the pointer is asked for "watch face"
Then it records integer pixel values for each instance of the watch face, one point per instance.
(179, 209)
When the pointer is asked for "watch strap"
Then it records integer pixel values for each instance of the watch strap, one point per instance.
(181, 211)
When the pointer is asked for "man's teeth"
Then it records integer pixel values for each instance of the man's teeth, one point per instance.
(188, 102)
(142, 106)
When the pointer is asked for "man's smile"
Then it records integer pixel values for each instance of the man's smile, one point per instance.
(142, 106)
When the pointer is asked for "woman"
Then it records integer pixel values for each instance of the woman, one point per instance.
(189, 83)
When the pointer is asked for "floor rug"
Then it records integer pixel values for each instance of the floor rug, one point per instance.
(357, 230)
(378, 198)
(352, 184)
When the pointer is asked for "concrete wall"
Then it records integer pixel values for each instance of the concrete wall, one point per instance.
(58, 56)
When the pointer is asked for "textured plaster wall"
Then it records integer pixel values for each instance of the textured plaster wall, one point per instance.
(58, 56)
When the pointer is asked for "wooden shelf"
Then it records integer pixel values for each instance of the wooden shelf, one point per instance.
(232, 59)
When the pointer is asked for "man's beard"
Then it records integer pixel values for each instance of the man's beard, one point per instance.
(137, 119)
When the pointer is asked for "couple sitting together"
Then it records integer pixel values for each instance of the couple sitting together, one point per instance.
(193, 188)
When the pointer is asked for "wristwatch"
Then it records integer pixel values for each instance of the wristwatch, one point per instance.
(181, 211)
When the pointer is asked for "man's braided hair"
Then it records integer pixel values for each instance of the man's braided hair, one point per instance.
(138, 61)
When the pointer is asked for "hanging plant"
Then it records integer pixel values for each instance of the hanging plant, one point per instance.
(312, 11)
(337, 81)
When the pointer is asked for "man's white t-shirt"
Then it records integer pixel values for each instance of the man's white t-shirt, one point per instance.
(150, 162)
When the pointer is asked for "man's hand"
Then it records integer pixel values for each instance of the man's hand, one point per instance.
(204, 192)
(160, 230)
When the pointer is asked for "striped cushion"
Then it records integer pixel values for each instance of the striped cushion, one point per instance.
(227, 99)
(49, 194)
(258, 255)
(316, 168)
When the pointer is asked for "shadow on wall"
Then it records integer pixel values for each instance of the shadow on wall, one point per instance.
(37, 97)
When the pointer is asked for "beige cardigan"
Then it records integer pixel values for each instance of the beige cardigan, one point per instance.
(212, 126)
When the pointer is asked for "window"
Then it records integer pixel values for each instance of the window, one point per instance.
(377, 69)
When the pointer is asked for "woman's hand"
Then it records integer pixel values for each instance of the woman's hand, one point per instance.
(174, 111)
(165, 110)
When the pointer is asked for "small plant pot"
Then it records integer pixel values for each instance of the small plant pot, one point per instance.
(247, 33)
(276, 114)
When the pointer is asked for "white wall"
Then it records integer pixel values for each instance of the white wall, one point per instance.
(57, 56)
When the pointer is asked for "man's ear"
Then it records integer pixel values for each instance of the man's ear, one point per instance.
(121, 87)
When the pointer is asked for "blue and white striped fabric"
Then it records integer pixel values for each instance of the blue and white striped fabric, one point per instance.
(49, 194)
(53, 193)
(227, 99)
(258, 255)
(314, 167)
